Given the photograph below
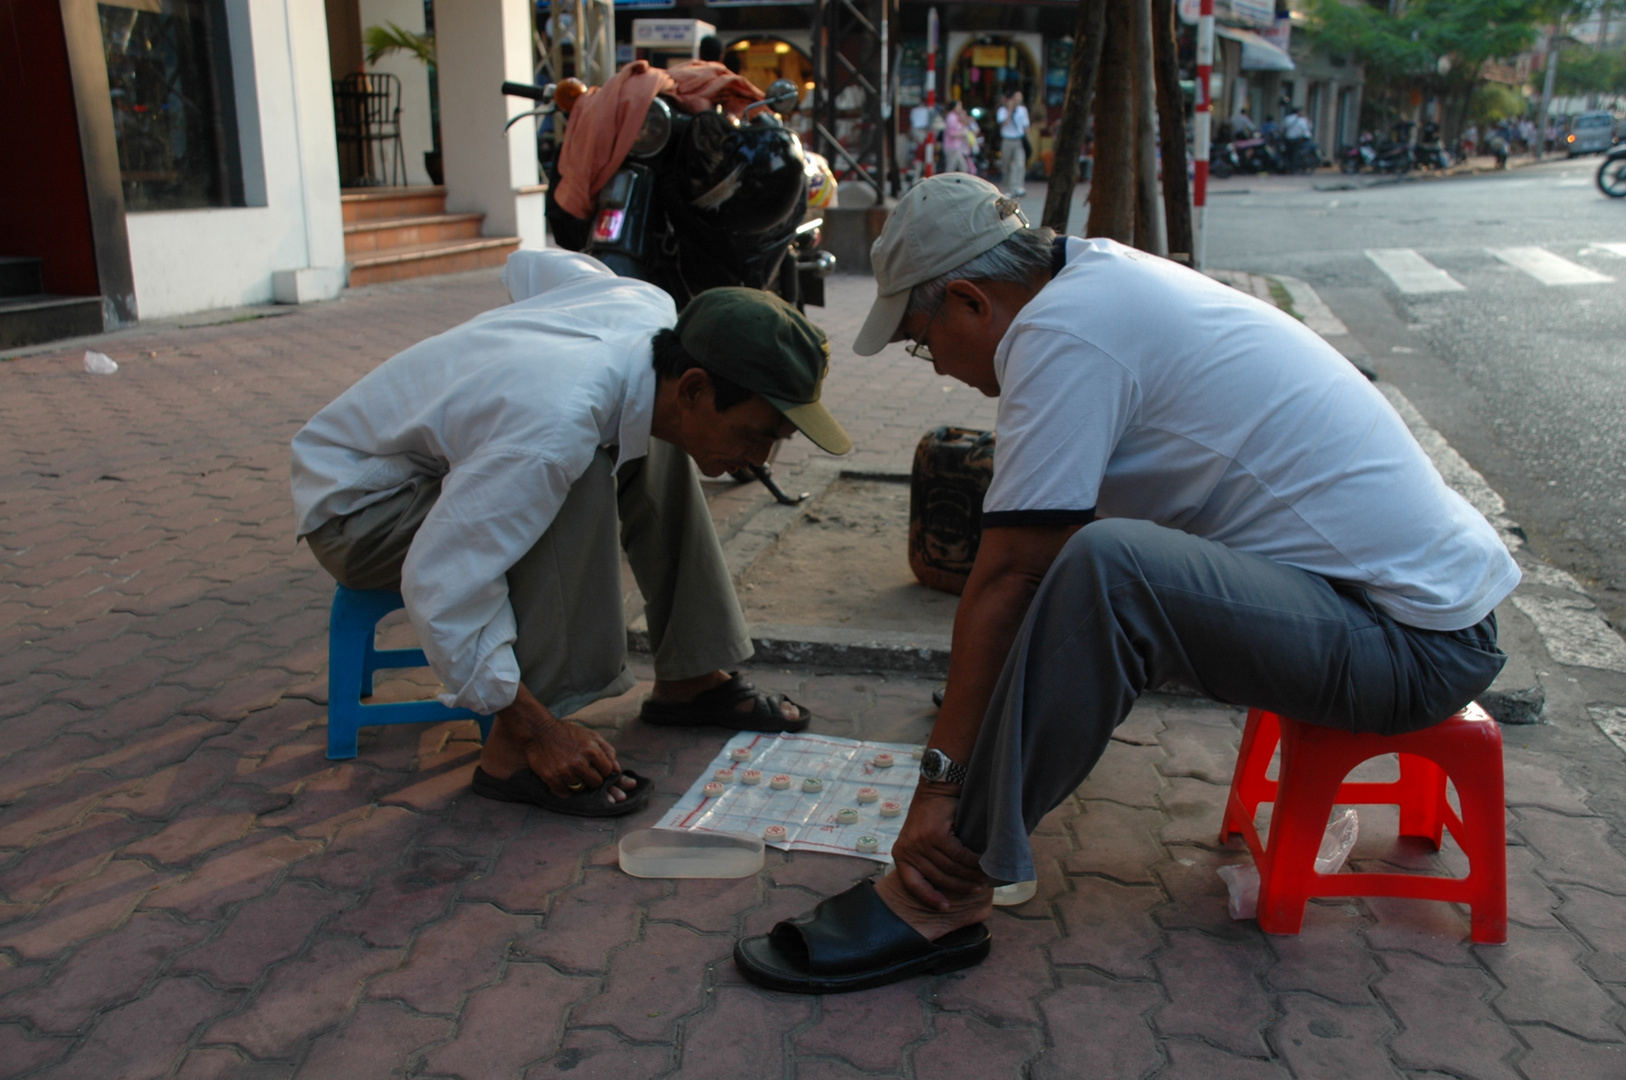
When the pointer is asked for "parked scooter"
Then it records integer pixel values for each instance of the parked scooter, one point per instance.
(702, 201)
(1612, 173)
(1430, 151)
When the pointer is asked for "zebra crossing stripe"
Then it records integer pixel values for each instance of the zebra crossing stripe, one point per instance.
(1411, 273)
(1547, 268)
(1613, 249)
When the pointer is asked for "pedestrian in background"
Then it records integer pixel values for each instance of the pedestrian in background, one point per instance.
(1013, 150)
(956, 140)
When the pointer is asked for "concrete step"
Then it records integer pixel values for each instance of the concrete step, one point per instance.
(377, 237)
(423, 260)
(371, 204)
(30, 320)
(21, 275)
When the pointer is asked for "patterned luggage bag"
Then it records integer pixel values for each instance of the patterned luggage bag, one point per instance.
(953, 466)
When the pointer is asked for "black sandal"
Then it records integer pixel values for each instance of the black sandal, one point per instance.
(853, 941)
(717, 707)
(526, 787)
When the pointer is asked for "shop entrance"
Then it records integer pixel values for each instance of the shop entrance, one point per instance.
(987, 69)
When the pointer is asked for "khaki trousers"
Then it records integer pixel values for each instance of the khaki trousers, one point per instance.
(566, 590)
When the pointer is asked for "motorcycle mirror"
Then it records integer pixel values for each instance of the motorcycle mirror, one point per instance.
(566, 93)
(783, 95)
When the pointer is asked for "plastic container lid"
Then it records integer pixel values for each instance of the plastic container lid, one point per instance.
(677, 853)
(1019, 892)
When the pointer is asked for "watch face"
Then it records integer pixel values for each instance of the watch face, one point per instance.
(933, 764)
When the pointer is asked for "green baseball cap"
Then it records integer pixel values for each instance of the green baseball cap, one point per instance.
(755, 339)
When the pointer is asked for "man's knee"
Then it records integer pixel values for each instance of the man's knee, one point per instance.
(1108, 551)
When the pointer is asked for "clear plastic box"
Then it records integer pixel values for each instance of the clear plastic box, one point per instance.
(674, 853)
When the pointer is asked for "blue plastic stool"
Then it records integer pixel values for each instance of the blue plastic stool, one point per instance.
(351, 661)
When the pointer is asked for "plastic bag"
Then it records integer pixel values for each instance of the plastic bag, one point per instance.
(1242, 879)
(100, 363)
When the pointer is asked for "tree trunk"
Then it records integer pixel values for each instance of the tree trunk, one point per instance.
(1075, 113)
(1171, 125)
(1112, 184)
(1149, 235)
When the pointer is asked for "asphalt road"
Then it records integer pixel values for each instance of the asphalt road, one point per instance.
(1527, 379)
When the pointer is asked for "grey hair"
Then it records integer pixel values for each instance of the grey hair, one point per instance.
(1018, 259)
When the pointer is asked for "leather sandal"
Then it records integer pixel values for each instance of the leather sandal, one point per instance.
(853, 941)
(526, 787)
(719, 707)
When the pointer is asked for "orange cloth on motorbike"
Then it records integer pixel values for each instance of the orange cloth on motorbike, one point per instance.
(604, 122)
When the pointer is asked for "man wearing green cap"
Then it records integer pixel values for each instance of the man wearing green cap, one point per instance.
(489, 474)
(1189, 486)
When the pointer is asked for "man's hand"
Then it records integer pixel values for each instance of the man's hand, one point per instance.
(567, 757)
(932, 863)
(570, 758)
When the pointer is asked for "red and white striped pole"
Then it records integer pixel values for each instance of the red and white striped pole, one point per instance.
(1203, 120)
(931, 89)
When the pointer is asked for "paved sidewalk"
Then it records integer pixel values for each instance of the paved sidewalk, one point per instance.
(188, 888)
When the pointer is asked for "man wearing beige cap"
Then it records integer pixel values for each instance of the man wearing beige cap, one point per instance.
(1189, 486)
(489, 474)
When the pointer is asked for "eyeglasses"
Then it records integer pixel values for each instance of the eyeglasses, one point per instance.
(918, 348)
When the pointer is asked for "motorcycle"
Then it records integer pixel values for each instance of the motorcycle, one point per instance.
(1430, 152)
(702, 201)
(1612, 173)
(1392, 155)
(1301, 155)
(1251, 156)
(1362, 155)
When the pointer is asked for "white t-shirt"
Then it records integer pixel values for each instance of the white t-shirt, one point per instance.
(1132, 387)
(508, 409)
(1013, 124)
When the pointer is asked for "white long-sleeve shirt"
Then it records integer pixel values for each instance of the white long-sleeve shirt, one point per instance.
(508, 410)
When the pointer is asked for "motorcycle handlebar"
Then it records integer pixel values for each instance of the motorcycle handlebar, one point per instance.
(535, 93)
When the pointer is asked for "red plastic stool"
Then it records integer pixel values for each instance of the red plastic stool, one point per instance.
(1467, 748)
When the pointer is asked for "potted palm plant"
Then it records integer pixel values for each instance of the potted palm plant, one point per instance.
(386, 40)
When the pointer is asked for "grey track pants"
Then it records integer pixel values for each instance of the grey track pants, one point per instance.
(566, 590)
(1128, 605)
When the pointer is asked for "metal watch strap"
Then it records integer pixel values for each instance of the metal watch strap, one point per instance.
(953, 771)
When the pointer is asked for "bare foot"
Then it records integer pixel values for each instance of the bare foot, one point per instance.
(930, 923)
(683, 691)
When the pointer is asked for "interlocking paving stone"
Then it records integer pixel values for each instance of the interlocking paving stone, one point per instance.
(372, 1042)
(263, 932)
(510, 1025)
(1320, 1039)
(1214, 992)
(104, 971)
(303, 997)
(868, 1030)
(1543, 985)
(1100, 1028)
(1446, 1023)
(966, 1046)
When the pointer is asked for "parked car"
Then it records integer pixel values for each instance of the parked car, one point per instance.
(1590, 133)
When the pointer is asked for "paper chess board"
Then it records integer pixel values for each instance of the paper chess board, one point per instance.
(809, 818)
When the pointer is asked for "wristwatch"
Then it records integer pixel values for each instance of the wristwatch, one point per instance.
(938, 767)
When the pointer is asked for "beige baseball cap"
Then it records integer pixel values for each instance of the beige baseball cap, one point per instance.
(943, 222)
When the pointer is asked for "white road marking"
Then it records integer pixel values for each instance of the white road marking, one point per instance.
(1412, 273)
(1547, 268)
(1574, 183)
(1614, 250)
